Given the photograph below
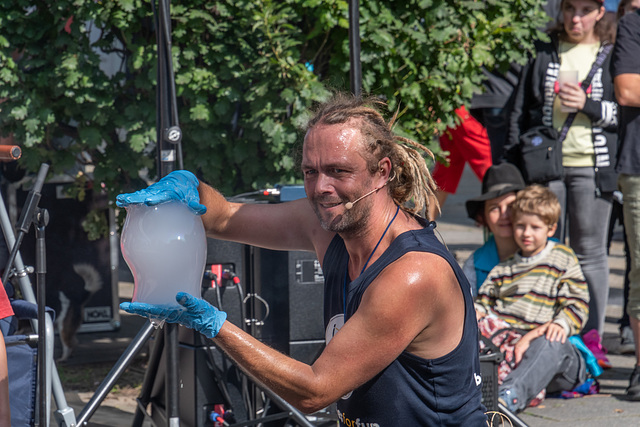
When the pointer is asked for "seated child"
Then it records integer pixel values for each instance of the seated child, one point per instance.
(541, 293)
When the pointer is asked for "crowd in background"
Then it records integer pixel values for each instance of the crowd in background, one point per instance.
(567, 120)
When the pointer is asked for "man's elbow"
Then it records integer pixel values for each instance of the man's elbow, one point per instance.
(627, 89)
(312, 404)
(625, 97)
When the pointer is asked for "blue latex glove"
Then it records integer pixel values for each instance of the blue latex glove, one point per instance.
(179, 185)
(198, 314)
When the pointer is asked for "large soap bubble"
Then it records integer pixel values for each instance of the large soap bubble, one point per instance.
(165, 247)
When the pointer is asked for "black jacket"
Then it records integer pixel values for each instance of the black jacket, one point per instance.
(533, 106)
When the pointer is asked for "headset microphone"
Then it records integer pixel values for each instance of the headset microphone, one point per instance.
(349, 205)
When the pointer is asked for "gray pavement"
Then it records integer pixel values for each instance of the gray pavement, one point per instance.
(462, 237)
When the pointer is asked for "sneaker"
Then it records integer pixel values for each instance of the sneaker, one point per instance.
(627, 345)
(593, 342)
(509, 400)
(633, 391)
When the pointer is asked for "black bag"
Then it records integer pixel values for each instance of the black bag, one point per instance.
(540, 155)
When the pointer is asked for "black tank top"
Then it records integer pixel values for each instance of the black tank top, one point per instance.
(411, 391)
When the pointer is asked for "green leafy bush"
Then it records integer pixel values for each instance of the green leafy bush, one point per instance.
(79, 77)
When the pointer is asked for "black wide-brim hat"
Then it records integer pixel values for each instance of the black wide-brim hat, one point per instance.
(498, 180)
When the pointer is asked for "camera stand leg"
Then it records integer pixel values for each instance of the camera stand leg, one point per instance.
(149, 377)
(118, 369)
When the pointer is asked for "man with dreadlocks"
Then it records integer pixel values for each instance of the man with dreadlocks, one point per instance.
(402, 340)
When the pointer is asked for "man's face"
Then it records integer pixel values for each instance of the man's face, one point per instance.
(632, 6)
(335, 172)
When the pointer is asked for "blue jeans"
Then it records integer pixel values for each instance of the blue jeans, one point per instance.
(588, 218)
(630, 187)
(553, 365)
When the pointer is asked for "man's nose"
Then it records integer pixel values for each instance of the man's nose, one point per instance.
(324, 183)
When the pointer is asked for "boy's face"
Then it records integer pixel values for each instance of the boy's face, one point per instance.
(531, 233)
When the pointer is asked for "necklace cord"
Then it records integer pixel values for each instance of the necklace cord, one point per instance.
(346, 274)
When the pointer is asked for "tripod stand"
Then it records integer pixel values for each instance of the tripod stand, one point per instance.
(48, 379)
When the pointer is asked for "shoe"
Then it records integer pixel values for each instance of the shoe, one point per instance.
(509, 400)
(633, 391)
(627, 345)
(593, 342)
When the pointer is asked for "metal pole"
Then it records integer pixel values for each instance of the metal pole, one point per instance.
(118, 369)
(169, 138)
(168, 132)
(44, 386)
(355, 73)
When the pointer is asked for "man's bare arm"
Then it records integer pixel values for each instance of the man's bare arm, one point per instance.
(282, 226)
(627, 87)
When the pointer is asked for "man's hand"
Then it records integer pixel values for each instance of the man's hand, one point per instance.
(198, 314)
(179, 185)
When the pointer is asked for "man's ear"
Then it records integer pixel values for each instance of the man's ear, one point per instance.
(552, 230)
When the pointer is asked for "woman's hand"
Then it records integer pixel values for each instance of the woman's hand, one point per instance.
(572, 96)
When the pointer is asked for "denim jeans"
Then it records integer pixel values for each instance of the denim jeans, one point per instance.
(553, 365)
(630, 187)
(588, 219)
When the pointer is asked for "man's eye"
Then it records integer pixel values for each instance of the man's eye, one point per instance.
(309, 172)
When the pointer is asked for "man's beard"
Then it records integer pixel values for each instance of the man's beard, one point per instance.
(347, 223)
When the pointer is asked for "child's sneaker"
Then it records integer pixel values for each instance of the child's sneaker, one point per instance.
(509, 400)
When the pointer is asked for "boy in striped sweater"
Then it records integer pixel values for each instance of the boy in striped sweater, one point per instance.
(541, 292)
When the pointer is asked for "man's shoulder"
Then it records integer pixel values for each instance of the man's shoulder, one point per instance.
(630, 21)
(419, 268)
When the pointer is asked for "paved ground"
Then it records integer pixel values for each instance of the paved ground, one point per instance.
(461, 236)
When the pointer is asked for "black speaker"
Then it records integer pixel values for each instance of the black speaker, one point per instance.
(228, 293)
(278, 298)
(292, 285)
(84, 270)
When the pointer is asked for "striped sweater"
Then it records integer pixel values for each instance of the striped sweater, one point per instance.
(528, 292)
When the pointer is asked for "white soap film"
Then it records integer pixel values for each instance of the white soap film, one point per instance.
(165, 247)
